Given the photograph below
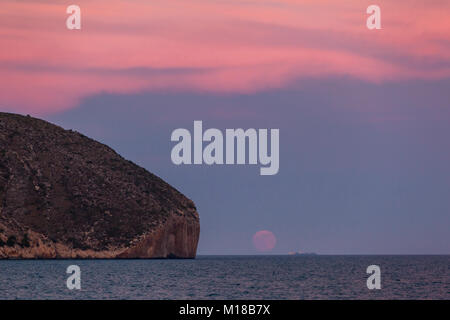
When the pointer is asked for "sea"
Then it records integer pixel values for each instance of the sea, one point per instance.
(231, 277)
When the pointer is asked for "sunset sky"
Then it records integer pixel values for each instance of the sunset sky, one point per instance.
(364, 115)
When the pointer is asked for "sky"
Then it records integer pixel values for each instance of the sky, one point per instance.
(364, 115)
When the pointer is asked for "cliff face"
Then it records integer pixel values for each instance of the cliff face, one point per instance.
(63, 195)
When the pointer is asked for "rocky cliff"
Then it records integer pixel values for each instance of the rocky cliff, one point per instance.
(63, 195)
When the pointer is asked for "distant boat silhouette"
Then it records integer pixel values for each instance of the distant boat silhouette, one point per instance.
(302, 253)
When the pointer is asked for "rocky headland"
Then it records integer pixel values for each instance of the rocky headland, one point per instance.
(64, 195)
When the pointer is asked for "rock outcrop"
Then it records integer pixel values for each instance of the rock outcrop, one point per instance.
(63, 195)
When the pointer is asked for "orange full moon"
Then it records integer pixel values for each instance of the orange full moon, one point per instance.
(264, 240)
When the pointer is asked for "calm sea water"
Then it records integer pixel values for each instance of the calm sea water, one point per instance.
(230, 277)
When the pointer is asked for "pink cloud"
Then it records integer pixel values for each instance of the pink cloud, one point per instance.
(217, 46)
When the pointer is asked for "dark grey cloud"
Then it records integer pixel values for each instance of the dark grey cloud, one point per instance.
(364, 168)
